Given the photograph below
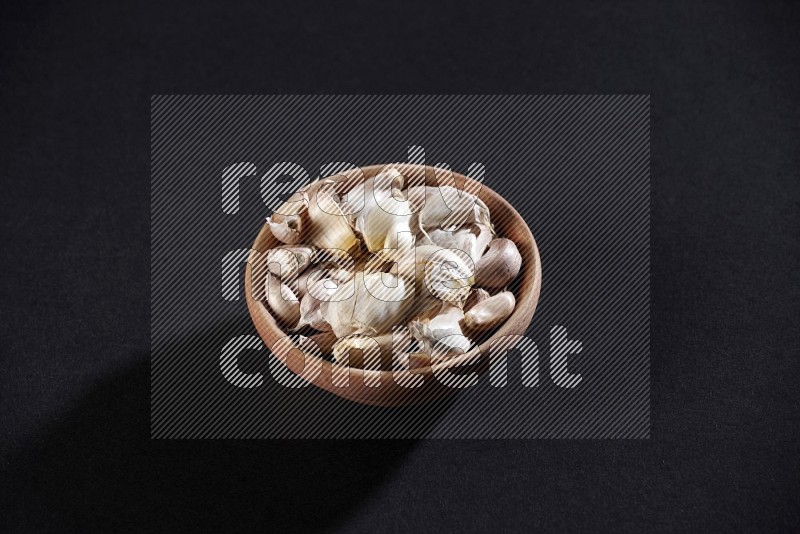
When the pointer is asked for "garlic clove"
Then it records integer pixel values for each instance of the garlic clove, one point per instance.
(310, 312)
(439, 332)
(319, 272)
(367, 305)
(289, 222)
(476, 296)
(448, 208)
(282, 301)
(287, 230)
(443, 274)
(500, 265)
(490, 312)
(385, 211)
(329, 228)
(398, 341)
(361, 351)
(472, 239)
(287, 261)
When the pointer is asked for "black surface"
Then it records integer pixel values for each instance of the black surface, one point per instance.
(75, 84)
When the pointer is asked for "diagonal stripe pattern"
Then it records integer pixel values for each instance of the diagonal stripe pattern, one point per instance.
(575, 167)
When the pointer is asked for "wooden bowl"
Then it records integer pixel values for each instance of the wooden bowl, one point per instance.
(508, 223)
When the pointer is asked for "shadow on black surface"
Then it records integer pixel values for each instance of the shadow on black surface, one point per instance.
(192, 399)
(98, 470)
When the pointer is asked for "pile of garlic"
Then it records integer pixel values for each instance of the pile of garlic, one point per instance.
(372, 274)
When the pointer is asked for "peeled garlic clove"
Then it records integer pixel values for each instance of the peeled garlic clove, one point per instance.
(476, 296)
(385, 212)
(282, 301)
(288, 260)
(490, 312)
(366, 305)
(329, 228)
(439, 331)
(290, 221)
(500, 265)
(443, 274)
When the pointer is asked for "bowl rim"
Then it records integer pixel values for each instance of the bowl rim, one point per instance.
(523, 311)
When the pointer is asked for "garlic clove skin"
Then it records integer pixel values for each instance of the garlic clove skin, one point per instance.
(500, 265)
(379, 229)
(366, 305)
(310, 312)
(472, 239)
(439, 332)
(360, 351)
(329, 228)
(282, 301)
(476, 296)
(490, 312)
(287, 229)
(385, 212)
(443, 274)
(287, 261)
(319, 272)
(289, 222)
(448, 208)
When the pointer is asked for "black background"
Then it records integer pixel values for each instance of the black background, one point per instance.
(76, 82)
